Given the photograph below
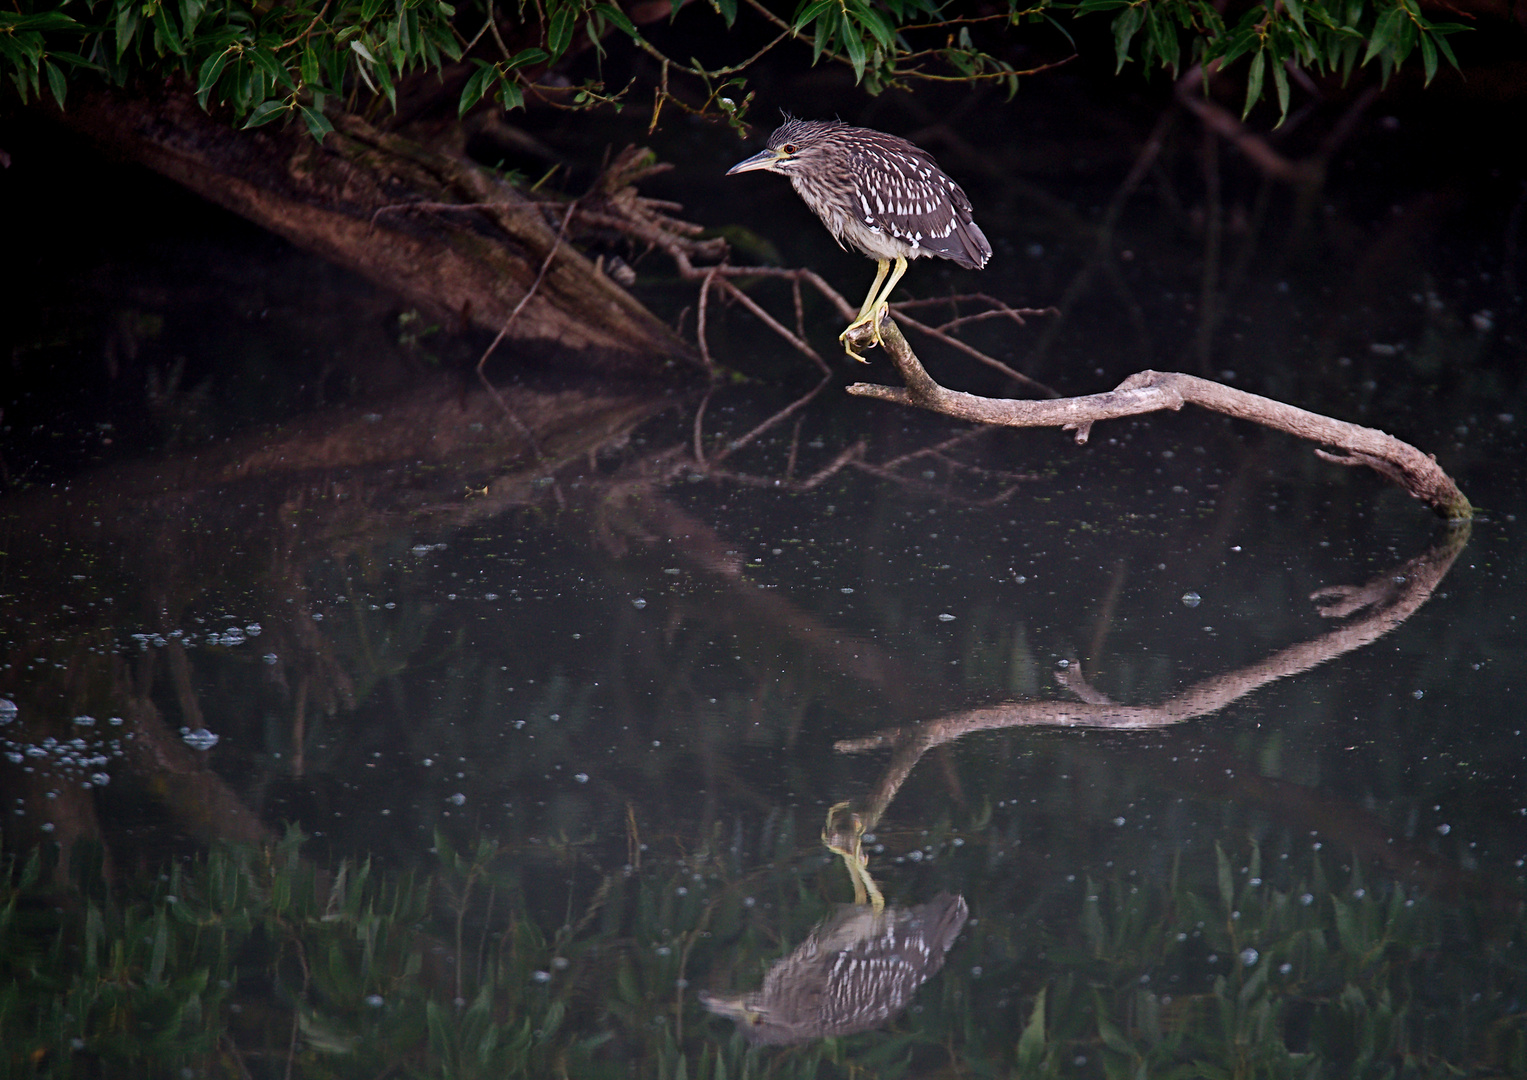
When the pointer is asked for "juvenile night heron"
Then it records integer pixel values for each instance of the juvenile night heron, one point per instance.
(856, 970)
(877, 194)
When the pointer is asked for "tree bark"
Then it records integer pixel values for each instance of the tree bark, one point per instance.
(386, 208)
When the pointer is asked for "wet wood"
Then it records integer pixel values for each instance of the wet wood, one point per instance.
(449, 238)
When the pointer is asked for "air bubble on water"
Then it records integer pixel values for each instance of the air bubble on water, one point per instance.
(1249, 956)
(1191, 599)
(84, 721)
(946, 617)
(638, 603)
(200, 739)
(375, 1000)
(457, 799)
(582, 778)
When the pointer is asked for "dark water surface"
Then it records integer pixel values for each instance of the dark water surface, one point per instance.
(561, 734)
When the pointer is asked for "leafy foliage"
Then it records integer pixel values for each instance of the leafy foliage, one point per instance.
(266, 62)
(1319, 37)
(253, 961)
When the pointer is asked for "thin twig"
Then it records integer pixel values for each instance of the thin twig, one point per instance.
(699, 427)
(733, 445)
(972, 351)
(710, 365)
(772, 323)
(509, 322)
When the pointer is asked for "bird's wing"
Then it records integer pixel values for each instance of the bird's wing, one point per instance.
(905, 194)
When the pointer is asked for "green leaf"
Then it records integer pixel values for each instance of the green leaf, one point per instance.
(127, 26)
(728, 11)
(624, 24)
(475, 87)
(853, 41)
(883, 29)
(1386, 33)
(312, 73)
(1280, 83)
(524, 57)
(47, 20)
(206, 78)
(826, 26)
(1428, 57)
(265, 112)
(1442, 44)
(168, 36)
(561, 33)
(1254, 92)
(273, 68)
(359, 48)
(55, 81)
(1124, 28)
(191, 12)
(811, 12)
(318, 123)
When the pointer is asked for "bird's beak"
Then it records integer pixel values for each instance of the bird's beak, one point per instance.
(732, 1006)
(764, 159)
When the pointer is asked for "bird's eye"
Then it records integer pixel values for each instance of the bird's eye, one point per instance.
(788, 148)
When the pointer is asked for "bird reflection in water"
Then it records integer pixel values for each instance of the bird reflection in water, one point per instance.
(857, 969)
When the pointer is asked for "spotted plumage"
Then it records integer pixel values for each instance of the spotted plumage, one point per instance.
(877, 194)
(856, 970)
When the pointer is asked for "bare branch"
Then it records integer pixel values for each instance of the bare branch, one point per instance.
(1152, 391)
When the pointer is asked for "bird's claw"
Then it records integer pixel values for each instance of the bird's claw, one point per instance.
(854, 334)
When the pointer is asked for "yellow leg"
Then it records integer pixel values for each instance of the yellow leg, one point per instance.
(874, 305)
(854, 858)
(869, 299)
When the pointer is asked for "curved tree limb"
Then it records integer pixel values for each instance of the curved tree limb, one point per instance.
(1151, 391)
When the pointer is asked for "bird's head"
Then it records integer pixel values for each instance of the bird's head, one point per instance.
(795, 146)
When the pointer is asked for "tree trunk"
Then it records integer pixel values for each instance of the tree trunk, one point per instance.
(383, 206)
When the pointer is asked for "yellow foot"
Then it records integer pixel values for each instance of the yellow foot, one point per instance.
(854, 329)
(843, 838)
